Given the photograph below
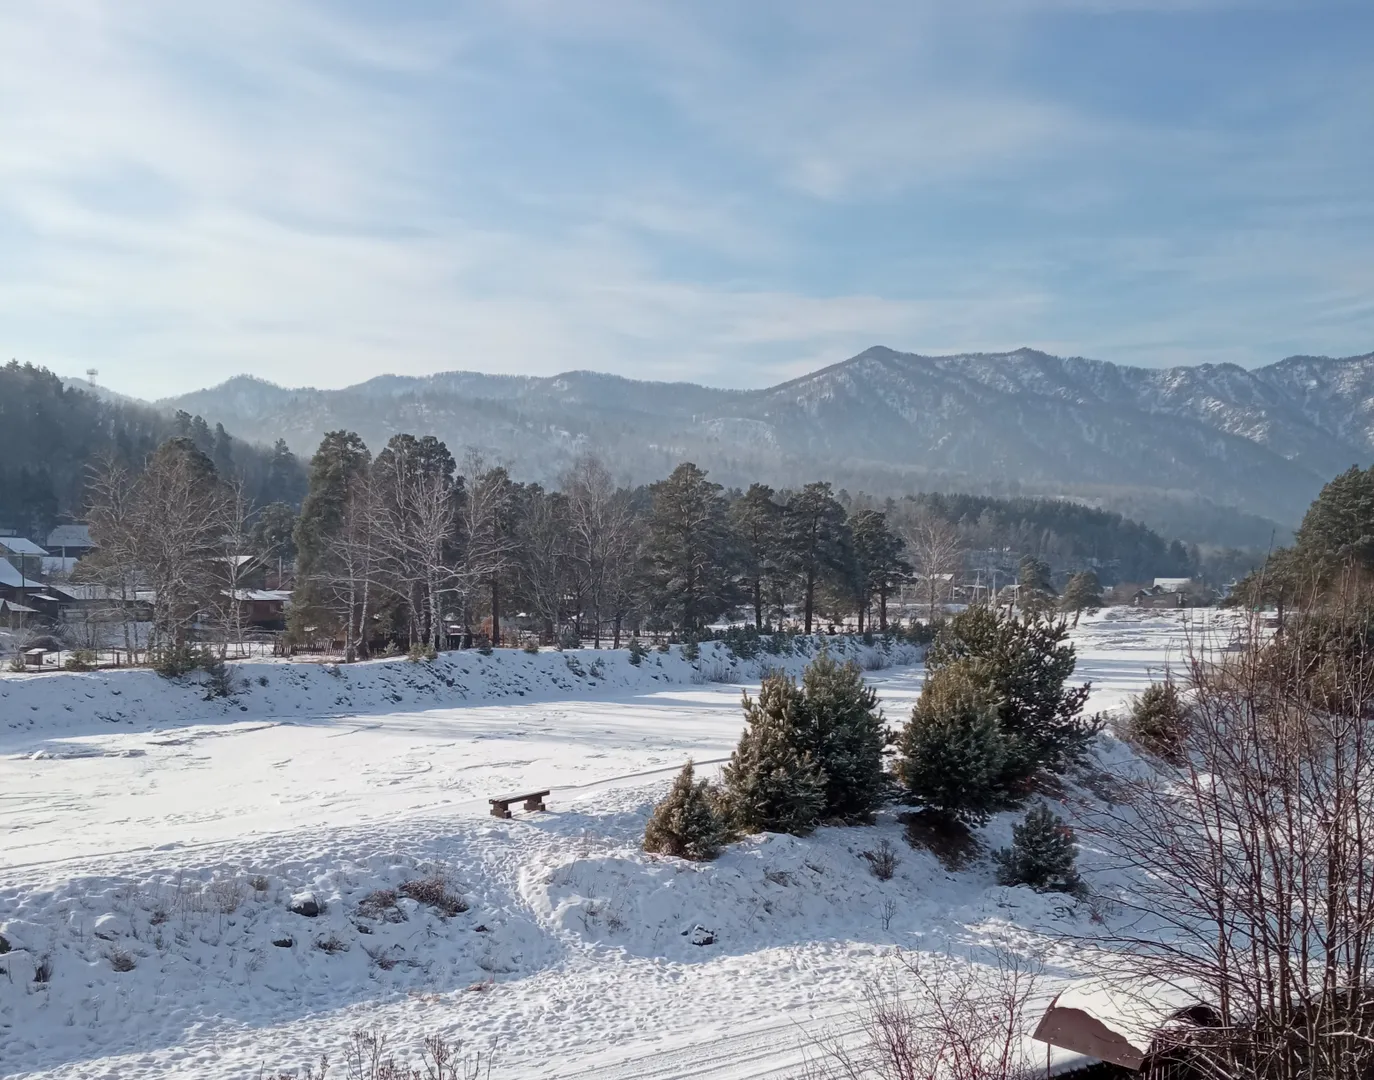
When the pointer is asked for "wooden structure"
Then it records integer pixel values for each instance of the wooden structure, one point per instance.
(534, 800)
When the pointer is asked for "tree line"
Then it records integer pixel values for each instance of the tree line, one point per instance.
(404, 548)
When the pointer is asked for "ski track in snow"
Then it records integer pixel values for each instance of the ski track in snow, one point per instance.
(128, 816)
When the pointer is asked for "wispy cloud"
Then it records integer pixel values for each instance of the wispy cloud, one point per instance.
(730, 193)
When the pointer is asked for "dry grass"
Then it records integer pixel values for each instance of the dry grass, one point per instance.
(121, 960)
(331, 944)
(380, 904)
(434, 892)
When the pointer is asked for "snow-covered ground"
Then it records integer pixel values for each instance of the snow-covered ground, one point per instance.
(146, 828)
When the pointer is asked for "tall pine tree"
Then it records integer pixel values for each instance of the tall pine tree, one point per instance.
(341, 459)
(879, 563)
(689, 546)
(816, 543)
(756, 520)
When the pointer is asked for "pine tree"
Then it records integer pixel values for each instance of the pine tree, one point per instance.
(686, 823)
(1036, 589)
(844, 733)
(1338, 528)
(755, 520)
(953, 754)
(878, 554)
(689, 546)
(1158, 720)
(1042, 854)
(1029, 661)
(771, 783)
(341, 460)
(285, 477)
(817, 546)
(1082, 593)
(273, 530)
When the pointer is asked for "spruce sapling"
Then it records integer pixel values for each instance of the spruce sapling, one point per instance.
(1042, 854)
(686, 822)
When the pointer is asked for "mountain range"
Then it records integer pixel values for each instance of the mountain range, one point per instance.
(1227, 454)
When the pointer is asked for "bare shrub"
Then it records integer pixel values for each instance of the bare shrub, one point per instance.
(381, 904)
(311, 1072)
(382, 958)
(887, 913)
(873, 660)
(1254, 853)
(882, 860)
(121, 960)
(368, 1058)
(718, 671)
(331, 944)
(434, 892)
(227, 894)
(259, 883)
(949, 1020)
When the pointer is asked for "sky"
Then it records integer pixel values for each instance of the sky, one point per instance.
(731, 193)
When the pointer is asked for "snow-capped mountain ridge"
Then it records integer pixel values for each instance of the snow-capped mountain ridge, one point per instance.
(1262, 440)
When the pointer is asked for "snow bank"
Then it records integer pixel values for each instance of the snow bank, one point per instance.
(70, 703)
(205, 954)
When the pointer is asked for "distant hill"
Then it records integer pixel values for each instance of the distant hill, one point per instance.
(52, 433)
(1222, 453)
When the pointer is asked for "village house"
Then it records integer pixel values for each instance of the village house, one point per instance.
(70, 541)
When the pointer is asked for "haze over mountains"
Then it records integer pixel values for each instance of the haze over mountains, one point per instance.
(1213, 452)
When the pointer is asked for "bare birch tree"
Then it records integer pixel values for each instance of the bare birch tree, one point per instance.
(228, 604)
(598, 518)
(353, 554)
(545, 560)
(935, 551)
(112, 567)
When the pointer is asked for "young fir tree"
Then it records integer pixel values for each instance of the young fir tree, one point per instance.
(953, 754)
(1082, 593)
(1158, 721)
(686, 823)
(844, 732)
(1029, 661)
(1041, 855)
(771, 783)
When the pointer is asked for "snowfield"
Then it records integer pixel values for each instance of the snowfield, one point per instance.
(155, 843)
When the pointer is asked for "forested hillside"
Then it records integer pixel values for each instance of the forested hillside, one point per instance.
(1213, 454)
(51, 434)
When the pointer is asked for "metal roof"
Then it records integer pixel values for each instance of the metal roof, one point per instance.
(17, 545)
(70, 536)
(12, 578)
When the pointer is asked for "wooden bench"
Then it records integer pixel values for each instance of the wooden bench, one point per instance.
(534, 800)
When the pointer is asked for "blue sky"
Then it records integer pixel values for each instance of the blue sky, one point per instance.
(732, 193)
